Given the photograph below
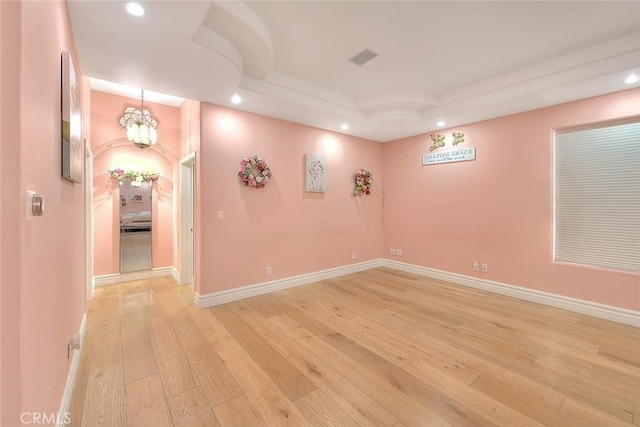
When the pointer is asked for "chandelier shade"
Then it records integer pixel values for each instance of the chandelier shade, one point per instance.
(140, 126)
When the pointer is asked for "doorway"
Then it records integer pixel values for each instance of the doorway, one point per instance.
(187, 209)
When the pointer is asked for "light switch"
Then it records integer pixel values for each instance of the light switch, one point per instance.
(35, 205)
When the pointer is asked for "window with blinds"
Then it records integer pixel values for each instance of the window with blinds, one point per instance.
(597, 196)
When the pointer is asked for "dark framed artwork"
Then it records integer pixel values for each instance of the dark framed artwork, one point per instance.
(71, 122)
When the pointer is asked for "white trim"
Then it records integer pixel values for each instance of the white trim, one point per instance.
(222, 297)
(176, 275)
(602, 311)
(187, 218)
(88, 224)
(71, 377)
(112, 279)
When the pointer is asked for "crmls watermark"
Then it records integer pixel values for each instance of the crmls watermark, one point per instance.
(45, 418)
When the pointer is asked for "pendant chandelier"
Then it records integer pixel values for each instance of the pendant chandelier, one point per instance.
(140, 126)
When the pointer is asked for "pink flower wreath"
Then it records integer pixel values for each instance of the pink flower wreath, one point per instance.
(363, 180)
(254, 172)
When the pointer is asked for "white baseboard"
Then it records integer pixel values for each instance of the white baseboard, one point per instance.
(602, 311)
(176, 275)
(112, 279)
(222, 297)
(71, 376)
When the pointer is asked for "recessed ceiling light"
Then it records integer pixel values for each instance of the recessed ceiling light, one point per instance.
(237, 99)
(632, 78)
(344, 126)
(440, 123)
(135, 9)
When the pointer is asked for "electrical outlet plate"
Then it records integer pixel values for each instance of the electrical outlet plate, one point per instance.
(399, 252)
(476, 266)
(485, 268)
(269, 271)
(353, 255)
(392, 251)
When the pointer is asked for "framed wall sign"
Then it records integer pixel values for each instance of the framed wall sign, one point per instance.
(71, 122)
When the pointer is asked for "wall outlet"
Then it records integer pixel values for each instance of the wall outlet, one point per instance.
(485, 268)
(392, 251)
(73, 344)
(399, 252)
(353, 255)
(220, 215)
(476, 266)
(269, 271)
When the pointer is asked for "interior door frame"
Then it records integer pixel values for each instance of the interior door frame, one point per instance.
(88, 222)
(187, 219)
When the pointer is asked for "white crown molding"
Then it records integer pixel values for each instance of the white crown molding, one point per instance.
(71, 376)
(218, 44)
(591, 57)
(112, 279)
(222, 297)
(602, 311)
(535, 87)
(294, 96)
(397, 100)
(238, 23)
(134, 93)
(281, 79)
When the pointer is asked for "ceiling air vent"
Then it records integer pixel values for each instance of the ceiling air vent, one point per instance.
(363, 57)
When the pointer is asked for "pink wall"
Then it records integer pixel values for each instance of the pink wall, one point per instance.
(281, 226)
(498, 208)
(1, 137)
(106, 110)
(189, 127)
(10, 30)
(112, 150)
(43, 292)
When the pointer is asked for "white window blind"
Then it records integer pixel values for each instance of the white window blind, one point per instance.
(597, 196)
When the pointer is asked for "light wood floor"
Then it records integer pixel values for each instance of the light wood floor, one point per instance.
(377, 348)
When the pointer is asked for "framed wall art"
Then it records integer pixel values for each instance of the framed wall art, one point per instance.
(71, 122)
(316, 173)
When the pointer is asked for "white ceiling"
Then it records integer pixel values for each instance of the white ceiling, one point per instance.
(453, 61)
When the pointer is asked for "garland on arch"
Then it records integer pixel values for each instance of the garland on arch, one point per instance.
(121, 175)
(254, 172)
(363, 180)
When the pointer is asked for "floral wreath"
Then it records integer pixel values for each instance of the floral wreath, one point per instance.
(362, 180)
(134, 176)
(254, 172)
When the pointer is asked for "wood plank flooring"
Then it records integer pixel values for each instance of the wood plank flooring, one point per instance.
(376, 348)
